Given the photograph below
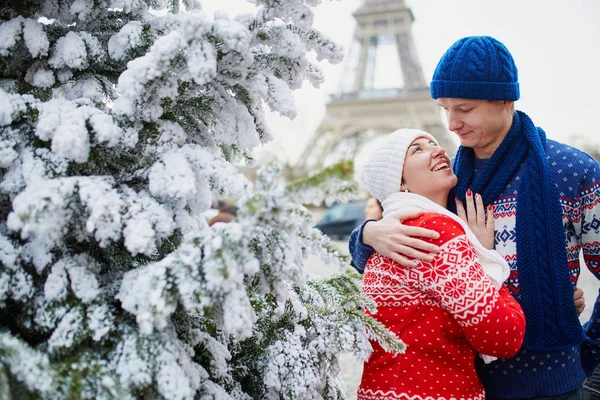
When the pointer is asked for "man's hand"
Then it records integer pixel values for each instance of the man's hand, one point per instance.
(579, 300)
(475, 216)
(390, 238)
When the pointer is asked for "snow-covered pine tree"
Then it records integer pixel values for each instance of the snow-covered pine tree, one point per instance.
(119, 124)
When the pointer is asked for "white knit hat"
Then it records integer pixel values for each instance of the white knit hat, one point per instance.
(383, 169)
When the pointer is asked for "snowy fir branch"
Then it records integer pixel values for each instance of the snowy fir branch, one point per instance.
(122, 121)
(332, 183)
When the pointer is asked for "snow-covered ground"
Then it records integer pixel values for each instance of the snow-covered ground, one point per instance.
(352, 369)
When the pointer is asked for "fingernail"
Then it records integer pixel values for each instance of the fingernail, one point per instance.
(469, 192)
(477, 196)
(490, 207)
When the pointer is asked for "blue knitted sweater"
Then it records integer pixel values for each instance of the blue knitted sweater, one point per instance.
(550, 373)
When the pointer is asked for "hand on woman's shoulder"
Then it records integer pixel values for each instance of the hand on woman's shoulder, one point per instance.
(446, 226)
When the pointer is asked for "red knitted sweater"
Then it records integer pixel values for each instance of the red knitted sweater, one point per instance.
(446, 312)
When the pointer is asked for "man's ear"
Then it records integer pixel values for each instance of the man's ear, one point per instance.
(508, 105)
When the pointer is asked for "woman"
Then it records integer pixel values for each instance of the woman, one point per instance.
(373, 209)
(446, 311)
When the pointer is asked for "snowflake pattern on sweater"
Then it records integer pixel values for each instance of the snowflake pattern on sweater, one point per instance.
(445, 311)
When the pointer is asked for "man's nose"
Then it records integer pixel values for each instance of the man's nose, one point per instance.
(454, 123)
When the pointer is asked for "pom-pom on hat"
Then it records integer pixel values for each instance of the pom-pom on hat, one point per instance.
(383, 169)
(476, 67)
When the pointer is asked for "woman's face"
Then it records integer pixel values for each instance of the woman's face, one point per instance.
(427, 171)
(372, 210)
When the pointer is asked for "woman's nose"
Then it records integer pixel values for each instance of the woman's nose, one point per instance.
(438, 152)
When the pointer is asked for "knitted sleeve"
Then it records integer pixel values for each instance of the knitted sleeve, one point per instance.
(586, 221)
(492, 320)
(359, 251)
(587, 218)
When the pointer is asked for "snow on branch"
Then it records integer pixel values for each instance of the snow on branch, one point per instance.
(26, 365)
(333, 182)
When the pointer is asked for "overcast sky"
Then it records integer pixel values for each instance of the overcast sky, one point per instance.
(555, 44)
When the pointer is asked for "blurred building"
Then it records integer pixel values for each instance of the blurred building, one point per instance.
(382, 89)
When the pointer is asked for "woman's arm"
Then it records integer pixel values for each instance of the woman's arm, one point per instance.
(492, 320)
(501, 333)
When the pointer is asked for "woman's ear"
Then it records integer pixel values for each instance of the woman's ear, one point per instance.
(403, 187)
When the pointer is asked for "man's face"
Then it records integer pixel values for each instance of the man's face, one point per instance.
(479, 124)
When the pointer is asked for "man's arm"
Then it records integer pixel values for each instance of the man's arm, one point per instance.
(360, 252)
(589, 233)
(390, 238)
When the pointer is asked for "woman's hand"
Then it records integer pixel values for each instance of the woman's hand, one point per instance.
(475, 216)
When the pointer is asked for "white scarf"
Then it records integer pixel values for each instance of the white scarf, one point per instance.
(494, 265)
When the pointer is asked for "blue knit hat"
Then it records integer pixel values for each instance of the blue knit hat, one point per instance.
(476, 67)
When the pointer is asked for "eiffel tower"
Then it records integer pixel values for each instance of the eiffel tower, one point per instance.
(382, 89)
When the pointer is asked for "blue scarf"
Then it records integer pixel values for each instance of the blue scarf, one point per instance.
(544, 278)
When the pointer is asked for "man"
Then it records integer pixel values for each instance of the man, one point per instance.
(546, 199)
